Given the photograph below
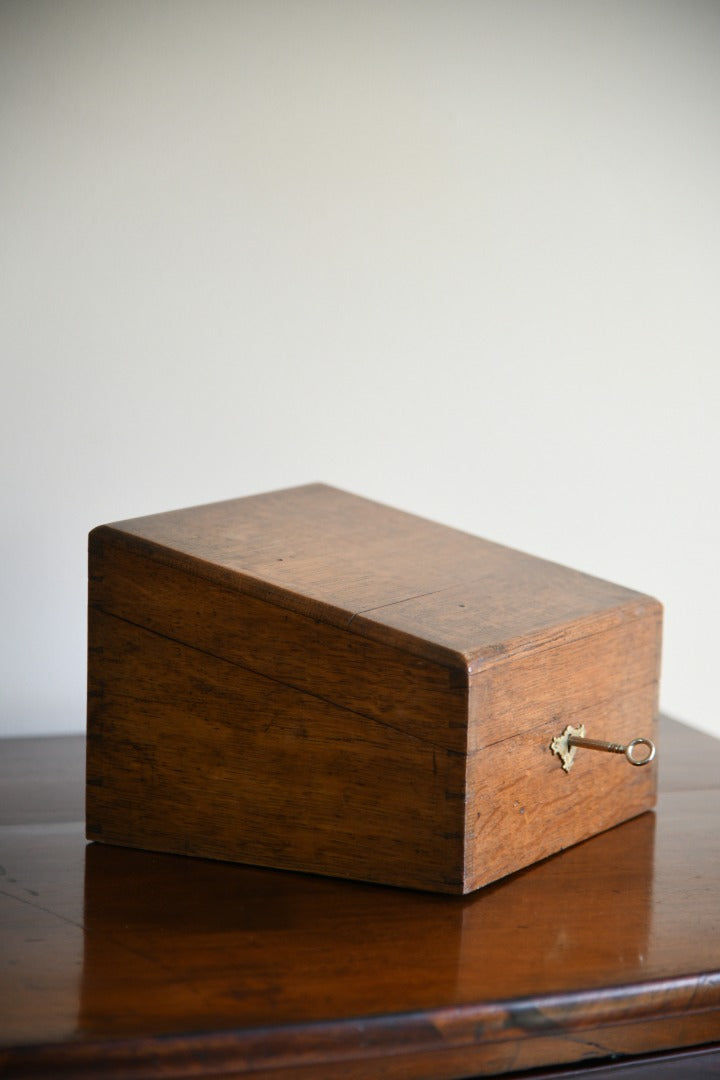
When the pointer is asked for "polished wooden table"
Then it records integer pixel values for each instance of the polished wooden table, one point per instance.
(601, 961)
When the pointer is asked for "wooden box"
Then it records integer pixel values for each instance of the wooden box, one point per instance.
(310, 680)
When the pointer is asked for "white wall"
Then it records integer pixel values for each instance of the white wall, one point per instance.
(461, 257)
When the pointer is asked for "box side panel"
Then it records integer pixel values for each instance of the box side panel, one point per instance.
(521, 805)
(192, 754)
(425, 699)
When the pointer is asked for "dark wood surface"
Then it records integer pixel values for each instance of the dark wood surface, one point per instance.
(309, 680)
(124, 963)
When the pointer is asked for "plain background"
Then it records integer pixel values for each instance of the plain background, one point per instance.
(460, 257)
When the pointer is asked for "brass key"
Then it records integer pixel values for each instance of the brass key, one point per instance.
(572, 738)
(617, 748)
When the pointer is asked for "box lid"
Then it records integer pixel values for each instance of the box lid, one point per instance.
(383, 574)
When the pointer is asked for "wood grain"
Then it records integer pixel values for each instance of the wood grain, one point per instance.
(313, 681)
(192, 754)
(426, 699)
(118, 962)
(518, 796)
(396, 578)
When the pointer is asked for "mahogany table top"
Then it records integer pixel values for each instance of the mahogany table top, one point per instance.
(117, 962)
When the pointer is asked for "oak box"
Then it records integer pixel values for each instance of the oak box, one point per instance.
(310, 680)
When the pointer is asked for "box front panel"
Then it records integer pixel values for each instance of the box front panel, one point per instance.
(522, 806)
